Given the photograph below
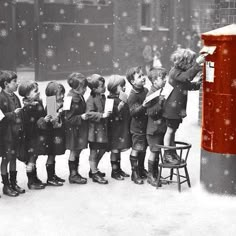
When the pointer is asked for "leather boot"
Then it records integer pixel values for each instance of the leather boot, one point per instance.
(13, 182)
(135, 170)
(7, 189)
(122, 173)
(77, 167)
(152, 180)
(115, 174)
(36, 179)
(31, 182)
(142, 171)
(55, 176)
(74, 178)
(51, 181)
(96, 177)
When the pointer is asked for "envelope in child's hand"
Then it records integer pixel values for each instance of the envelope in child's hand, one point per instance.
(1, 115)
(109, 105)
(67, 103)
(51, 106)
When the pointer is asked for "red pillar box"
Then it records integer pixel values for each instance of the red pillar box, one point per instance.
(218, 154)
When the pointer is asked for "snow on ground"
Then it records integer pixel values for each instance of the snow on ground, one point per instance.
(120, 208)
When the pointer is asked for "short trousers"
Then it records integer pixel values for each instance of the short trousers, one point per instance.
(173, 123)
(139, 142)
(94, 145)
(154, 141)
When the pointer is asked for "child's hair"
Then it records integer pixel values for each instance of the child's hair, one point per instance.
(154, 73)
(76, 79)
(93, 81)
(25, 87)
(113, 83)
(6, 76)
(182, 58)
(53, 87)
(131, 72)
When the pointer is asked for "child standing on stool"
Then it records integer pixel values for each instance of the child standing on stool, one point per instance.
(76, 125)
(97, 138)
(118, 126)
(186, 67)
(156, 126)
(138, 124)
(10, 129)
(35, 124)
(55, 133)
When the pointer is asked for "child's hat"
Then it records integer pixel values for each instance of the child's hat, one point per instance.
(25, 87)
(114, 81)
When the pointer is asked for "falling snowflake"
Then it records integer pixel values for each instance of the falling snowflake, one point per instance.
(43, 36)
(91, 44)
(57, 27)
(49, 53)
(115, 64)
(3, 33)
(226, 172)
(164, 38)
(80, 5)
(6, 4)
(227, 122)
(233, 83)
(106, 26)
(144, 39)
(126, 54)
(89, 63)
(57, 140)
(86, 21)
(23, 22)
(124, 14)
(107, 48)
(129, 30)
(62, 11)
(72, 49)
(78, 34)
(225, 51)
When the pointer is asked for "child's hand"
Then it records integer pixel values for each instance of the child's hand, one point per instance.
(106, 114)
(201, 59)
(144, 103)
(161, 99)
(120, 106)
(47, 118)
(17, 110)
(84, 116)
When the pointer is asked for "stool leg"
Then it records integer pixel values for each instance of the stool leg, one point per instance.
(178, 179)
(171, 173)
(187, 176)
(159, 177)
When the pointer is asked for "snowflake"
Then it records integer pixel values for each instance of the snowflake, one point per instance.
(57, 140)
(129, 30)
(196, 14)
(23, 22)
(78, 34)
(164, 38)
(226, 172)
(49, 53)
(72, 49)
(227, 122)
(91, 44)
(116, 64)
(57, 27)
(233, 83)
(89, 63)
(54, 67)
(3, 33)
(99, 8)
(217, 110)
(62, 11)
(204, 161)
(86, 21)
(147, 1)
(24, 52)
(41, 13)
(124, 14)
(225, 51)
(6, 4)
(43, 36)
(107, 48)
(144, 39)
(80, 5)
(126, 54)
(106, 26)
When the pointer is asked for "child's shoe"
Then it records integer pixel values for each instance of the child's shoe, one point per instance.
(32, 185)
(116, 175)
(7, 189)
(77, 179)
(13, 183)
(96, 177)
(51, 181)
(99, 172)
(54, 182)
(122, 173)
(59, 179)
(169, 159)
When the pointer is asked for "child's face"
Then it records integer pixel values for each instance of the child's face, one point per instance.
(101, 88)
(120, 88)
(12, 86)
(60, 96)
(81, 90)
(139, 79)
(159, 82)
(34, 94)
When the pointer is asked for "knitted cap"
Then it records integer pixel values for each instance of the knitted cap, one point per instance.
(114, 81)
(25, 87)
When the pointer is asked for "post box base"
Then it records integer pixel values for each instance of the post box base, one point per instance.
(218, 172)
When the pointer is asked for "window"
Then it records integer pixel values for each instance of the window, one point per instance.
(146, 14)
(164, 13)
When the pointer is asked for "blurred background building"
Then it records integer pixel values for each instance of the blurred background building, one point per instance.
(55, 37)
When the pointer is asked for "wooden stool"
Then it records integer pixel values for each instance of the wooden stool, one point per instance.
(182, 149)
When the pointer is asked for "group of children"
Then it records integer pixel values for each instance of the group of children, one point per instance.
(134, 122)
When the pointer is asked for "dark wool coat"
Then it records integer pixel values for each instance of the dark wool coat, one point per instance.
(137, 111)
(76, 127)
(55, 135)
(11, 126)
(118, 126)
(156, 122)
(36, 142)
(175, 106)
(97, 124)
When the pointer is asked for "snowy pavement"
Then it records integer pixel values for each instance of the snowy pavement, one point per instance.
(120, 208)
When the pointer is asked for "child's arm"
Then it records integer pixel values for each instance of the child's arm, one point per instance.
(155, 110)
(136, 109)
(188, 75)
